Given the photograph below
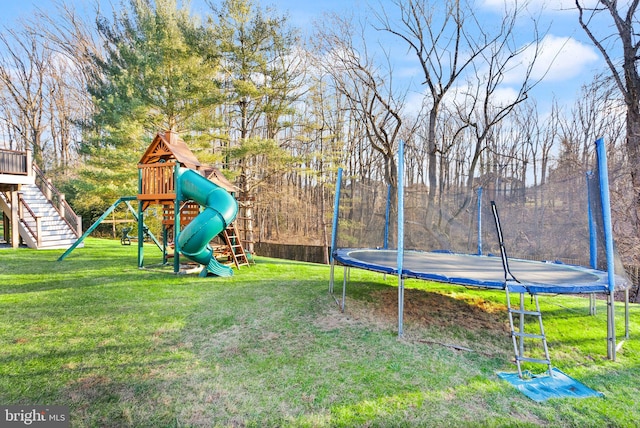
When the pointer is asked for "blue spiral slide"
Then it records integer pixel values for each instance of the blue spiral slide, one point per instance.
(220, 209)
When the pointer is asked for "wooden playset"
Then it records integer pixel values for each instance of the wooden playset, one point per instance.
(197, 206)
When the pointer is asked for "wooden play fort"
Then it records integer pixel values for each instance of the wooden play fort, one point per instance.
(157, 186)
(198, 209)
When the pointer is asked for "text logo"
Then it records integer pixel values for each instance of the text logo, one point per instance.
(34, 416)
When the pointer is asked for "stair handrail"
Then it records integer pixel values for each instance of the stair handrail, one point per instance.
(58, 201)
(37, 234)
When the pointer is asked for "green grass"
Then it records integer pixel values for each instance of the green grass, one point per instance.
(268, 347)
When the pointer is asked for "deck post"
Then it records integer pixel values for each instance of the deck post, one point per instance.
(61, 204)
(29, 163)
(15, 218)
(38, 231)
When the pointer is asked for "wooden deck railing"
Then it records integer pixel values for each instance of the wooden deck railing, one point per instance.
(15, 162)
(28, 218)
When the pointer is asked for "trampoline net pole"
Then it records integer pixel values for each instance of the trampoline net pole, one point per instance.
(400, 260)
(334, 227)
(605, 205)
(479, 216)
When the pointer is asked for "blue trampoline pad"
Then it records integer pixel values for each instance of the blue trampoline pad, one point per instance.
(480, 271)
(543, 387)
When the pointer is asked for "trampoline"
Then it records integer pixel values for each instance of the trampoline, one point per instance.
(480, 271)
(518, 275)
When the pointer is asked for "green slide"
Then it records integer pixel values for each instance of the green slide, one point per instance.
(220, 209)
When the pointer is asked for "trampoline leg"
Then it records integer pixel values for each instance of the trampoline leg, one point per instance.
(611, 329)
(331, 275)
(400, 306)
(522, 323)
(331, 283)
(592, 304)
(626, 313)
(344, 288)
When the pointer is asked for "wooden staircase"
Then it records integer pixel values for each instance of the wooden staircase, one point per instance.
(41, 225)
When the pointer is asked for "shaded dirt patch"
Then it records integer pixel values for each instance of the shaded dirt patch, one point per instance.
(429, 309)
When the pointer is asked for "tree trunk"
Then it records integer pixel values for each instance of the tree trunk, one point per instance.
(432, 150)
(633, 151)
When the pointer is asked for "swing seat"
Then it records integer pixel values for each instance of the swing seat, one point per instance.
(125, 239)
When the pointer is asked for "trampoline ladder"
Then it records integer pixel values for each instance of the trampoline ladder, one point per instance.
(520, 335)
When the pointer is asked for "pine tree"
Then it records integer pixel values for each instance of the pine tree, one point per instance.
(261, 83)
(154, 76)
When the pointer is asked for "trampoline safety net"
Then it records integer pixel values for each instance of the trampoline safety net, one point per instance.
(556, 219)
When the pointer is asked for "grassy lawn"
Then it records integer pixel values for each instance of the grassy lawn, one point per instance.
(268, 347)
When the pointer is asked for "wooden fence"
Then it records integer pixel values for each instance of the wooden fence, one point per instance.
(302, 253)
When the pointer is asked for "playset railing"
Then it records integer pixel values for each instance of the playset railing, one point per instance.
(156, 181)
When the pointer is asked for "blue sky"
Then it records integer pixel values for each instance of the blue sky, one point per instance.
(575, 59)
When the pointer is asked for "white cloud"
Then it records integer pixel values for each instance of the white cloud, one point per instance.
(465, 96)
(413, 103)
(558, 59)
(549, 6)
(408, 72)
(503, 96)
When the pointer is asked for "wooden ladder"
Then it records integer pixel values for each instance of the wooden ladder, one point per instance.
(236, 250)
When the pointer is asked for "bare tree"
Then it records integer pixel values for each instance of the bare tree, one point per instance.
(445, 40)
(24, 61)
(624, 39)
(537, 136)
(593, 115)
(367, 89)
(483, 105)
(72, 36)
(74, 45)
(597, 113)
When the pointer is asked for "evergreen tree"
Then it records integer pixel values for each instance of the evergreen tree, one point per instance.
(261, 84)
(261, 76)
(153, 76)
